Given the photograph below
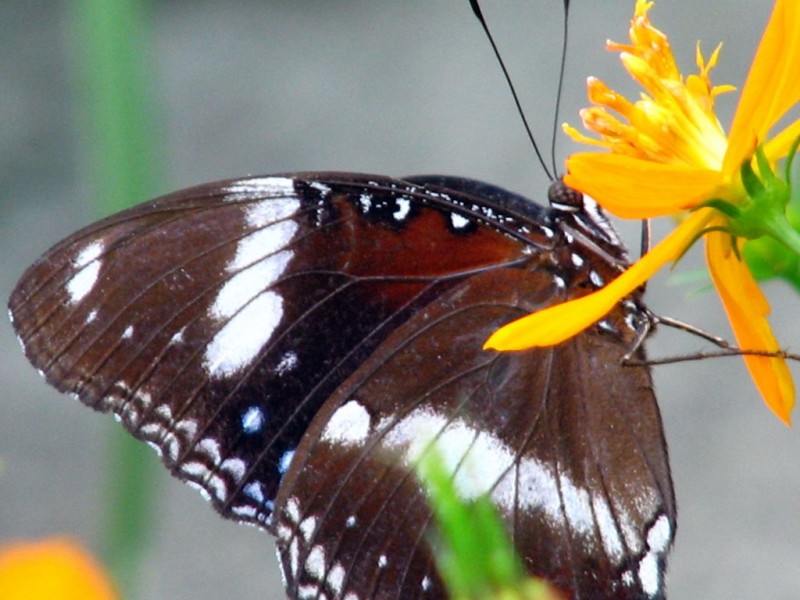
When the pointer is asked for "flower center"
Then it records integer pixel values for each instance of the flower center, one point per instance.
(674, 121)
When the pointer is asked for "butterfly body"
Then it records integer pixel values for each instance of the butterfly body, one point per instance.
(291, 344)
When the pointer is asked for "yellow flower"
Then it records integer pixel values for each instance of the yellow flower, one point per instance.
(667, 154)
(52, 569)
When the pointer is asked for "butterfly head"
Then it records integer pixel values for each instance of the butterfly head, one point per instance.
(564, 198)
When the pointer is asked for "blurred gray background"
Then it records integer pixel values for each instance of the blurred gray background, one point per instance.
(256, 87)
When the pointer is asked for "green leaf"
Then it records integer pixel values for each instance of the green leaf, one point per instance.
(767, 257)
(475, 555)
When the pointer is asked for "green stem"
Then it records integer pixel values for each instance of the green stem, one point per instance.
(781, 230)
(117, 124)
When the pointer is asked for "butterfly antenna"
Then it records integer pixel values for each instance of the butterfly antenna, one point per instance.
(479, 15)
(564, 38)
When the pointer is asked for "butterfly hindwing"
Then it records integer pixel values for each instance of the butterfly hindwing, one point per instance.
(573, 457)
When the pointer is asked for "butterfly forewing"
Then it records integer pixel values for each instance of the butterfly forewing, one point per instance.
(215, 322)
(299, 339)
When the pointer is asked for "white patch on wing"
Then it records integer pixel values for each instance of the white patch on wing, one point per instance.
(255, 491)
(310, 592)
(538, 489)
(259, 187)
(608, 529)
(210, 448)
(315, 563)
(286, 460)
(217, 486)
(596, 279)
(284, 579)
(235, 467)
(87, 267)
(154, 446)
(270, 211)
(658, 538)
(349, 425)
(172, 445)
(458, 221)
(196, 470)
(481, 462)
(272, 231)
(241, 338)
(177, 337)
(628, 579)
(365, 201)
(248, 283)
(659, 535)
(320, 187)
(476, 458)
(335, 579)
(403, 208)
(244, 511)
(294, 557)
(308, 527)
(253, 420)
(128, 333)
(577, 506)
(261, 243)
(249, 310)
(293, 510)
(288, 362)
(187, 428)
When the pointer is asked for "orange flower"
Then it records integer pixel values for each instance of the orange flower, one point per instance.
(53, 569)
(668, 154)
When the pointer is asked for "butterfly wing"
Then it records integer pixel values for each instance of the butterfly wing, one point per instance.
(567, 441)
(216, 321)
(220, 322)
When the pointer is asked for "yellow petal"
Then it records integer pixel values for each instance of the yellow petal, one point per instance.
(55, 569)
(747, 309)
(560, 322)
(778, 147)
(632, 188)
(772, 86)
(577, 136)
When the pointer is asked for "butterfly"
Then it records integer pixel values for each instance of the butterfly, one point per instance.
(288, 344)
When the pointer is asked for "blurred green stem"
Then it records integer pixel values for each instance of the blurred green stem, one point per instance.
(474, 553)
(114, 87)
